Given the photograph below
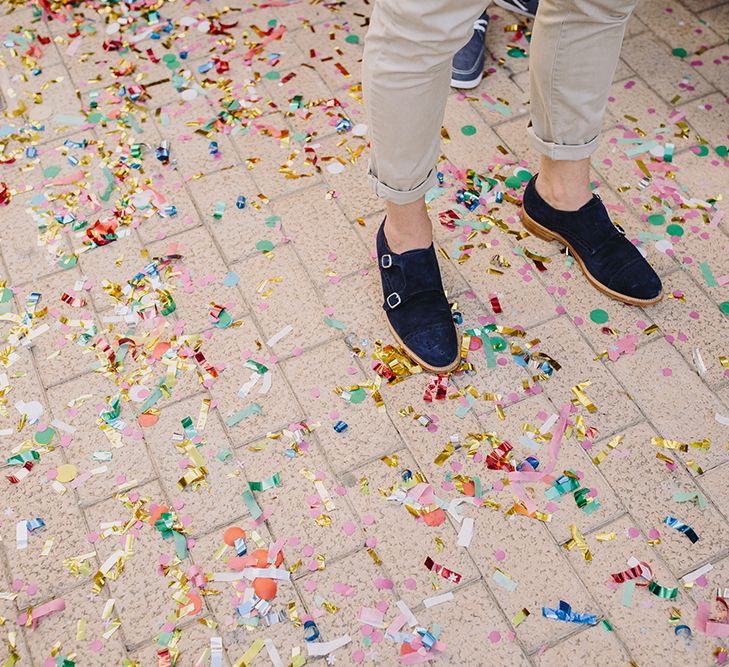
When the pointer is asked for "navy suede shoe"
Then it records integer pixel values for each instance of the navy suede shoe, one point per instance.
(416, 306)
(467, 65)
(607, 258)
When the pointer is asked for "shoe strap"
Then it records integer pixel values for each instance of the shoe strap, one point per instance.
(409, 275)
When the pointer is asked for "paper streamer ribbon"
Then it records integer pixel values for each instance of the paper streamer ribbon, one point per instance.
(30, 618)
(444, 572)
(266, 484)
(325, 648)
(565, 613)
(682, 528)
(554, 445)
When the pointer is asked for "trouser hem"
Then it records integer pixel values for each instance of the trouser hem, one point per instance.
(402, 196)
(562, 151)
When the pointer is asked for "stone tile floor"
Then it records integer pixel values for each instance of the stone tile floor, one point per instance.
(173, 366)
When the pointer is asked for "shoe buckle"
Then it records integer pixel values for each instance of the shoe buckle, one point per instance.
(393, 300)
(386, 261)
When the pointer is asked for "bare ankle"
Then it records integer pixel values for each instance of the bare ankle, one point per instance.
(408, 227)
(564, 185)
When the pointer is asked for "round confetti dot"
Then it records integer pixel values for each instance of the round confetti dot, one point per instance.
(52, 171)
(352, 39)
(67, 262)
(523, 175)
(272, 75)
(633, 532)
(657, 219)
(410, 584)
(94, 117)
(44, 437)
(358, 395)
(674, 230)
(468, 130)
(232, 534)
(66, 473)
(679, 52)
(701, 151)
(513, 182)
(724, 307)
(264, 246)
(722, 151)
(494, 636)
(599, 316)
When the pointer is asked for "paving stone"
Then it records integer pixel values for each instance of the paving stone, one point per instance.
(370, 433)
(456, 617)
(631, 469)
(667, 411)
(615, 409)
(641, 622)
(403, 549)
(350, 585)
(666, 74)
(583, 645)
(283, 275)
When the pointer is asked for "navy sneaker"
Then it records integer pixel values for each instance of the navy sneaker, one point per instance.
(416, 306)
(467, 66)
(523, 7)
(607, 258)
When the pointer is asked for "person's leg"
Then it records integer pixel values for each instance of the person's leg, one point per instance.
(574, 52)
(405, 76)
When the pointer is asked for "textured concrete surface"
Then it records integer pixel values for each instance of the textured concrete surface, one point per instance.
(135, 294)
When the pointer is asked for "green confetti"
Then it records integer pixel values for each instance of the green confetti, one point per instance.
(468, 130)
(44, 437)
(701, 151)
(679, 52)
(52, 171)
(708, 275)
(599, 316)
(246, 412)
(272, 220)
(513, 182)
(357, 395)
(273, 75)
(352, 39)
(67, 262)
(722, 151)
(264, 246)
(724, 307)
(335, 324)
(674, 230)
(266, 484)
(657, 219)
(524, 175)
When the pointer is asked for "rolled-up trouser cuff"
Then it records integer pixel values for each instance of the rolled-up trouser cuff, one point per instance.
(402, 196)
(562, 151)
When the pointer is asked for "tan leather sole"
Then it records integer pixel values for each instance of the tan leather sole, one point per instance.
(415, 357)
(533, 227)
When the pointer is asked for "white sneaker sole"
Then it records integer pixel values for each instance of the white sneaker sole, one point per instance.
(466, 85)
(512, 8)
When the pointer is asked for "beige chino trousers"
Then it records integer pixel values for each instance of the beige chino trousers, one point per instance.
(407, 70)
